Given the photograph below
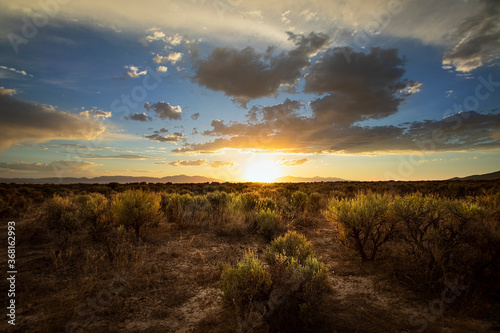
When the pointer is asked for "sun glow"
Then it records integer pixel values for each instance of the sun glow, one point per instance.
(263, 171)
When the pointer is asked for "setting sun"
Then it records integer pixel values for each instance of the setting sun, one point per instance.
(263, 171)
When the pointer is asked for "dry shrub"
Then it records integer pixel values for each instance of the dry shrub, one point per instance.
(95, 215)
(286, 294)
(364, 222)
(136, 208)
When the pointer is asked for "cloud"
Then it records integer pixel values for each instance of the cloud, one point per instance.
(175, 137)
(159, 59)
(369, 86)
(15, 71)
(164, 110)
(23, 121)
(138, 117)
(288, 163)
(467, 131)
(162, 69)
(6, 91)
(477, 40)
(157, 35)
(172, 58)
(284, 17)
(195, 116)
(200, 162)
(185, 163)
(308, 15)
(95, 114)
(131, 73)
(246, 74)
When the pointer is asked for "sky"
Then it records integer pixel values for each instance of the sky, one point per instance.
(250, 90)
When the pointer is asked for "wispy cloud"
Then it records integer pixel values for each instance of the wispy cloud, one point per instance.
(476, 40)
(11, 69)
(133, 72)
(6, 91)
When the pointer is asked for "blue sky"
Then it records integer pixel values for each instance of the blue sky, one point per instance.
(235, 89)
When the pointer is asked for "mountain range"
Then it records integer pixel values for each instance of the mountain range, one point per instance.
(486, 176)
(112, 179)
(196, 179)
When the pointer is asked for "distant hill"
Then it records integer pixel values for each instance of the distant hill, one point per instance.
(112, 179)
(291, 179)
(486, 176)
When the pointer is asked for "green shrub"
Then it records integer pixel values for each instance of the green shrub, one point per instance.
(136, 208)
(286, 294)
(185, 209)
(298, 277)
(364, 223)
(290, 245)
(417, 214)
(60, 214)
(298, 200)
(245, 283)
(266, 203)
(234, 220)
(315, 203)
(94, 214)
(268, 223)
(249, 201)
(304, 286)
(217, 202)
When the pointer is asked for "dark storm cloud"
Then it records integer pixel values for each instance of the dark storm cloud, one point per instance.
(369, 86)
(477, 39)
(23, 121)
(246, 74)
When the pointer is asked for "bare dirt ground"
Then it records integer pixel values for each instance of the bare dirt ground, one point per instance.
(176, 289)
